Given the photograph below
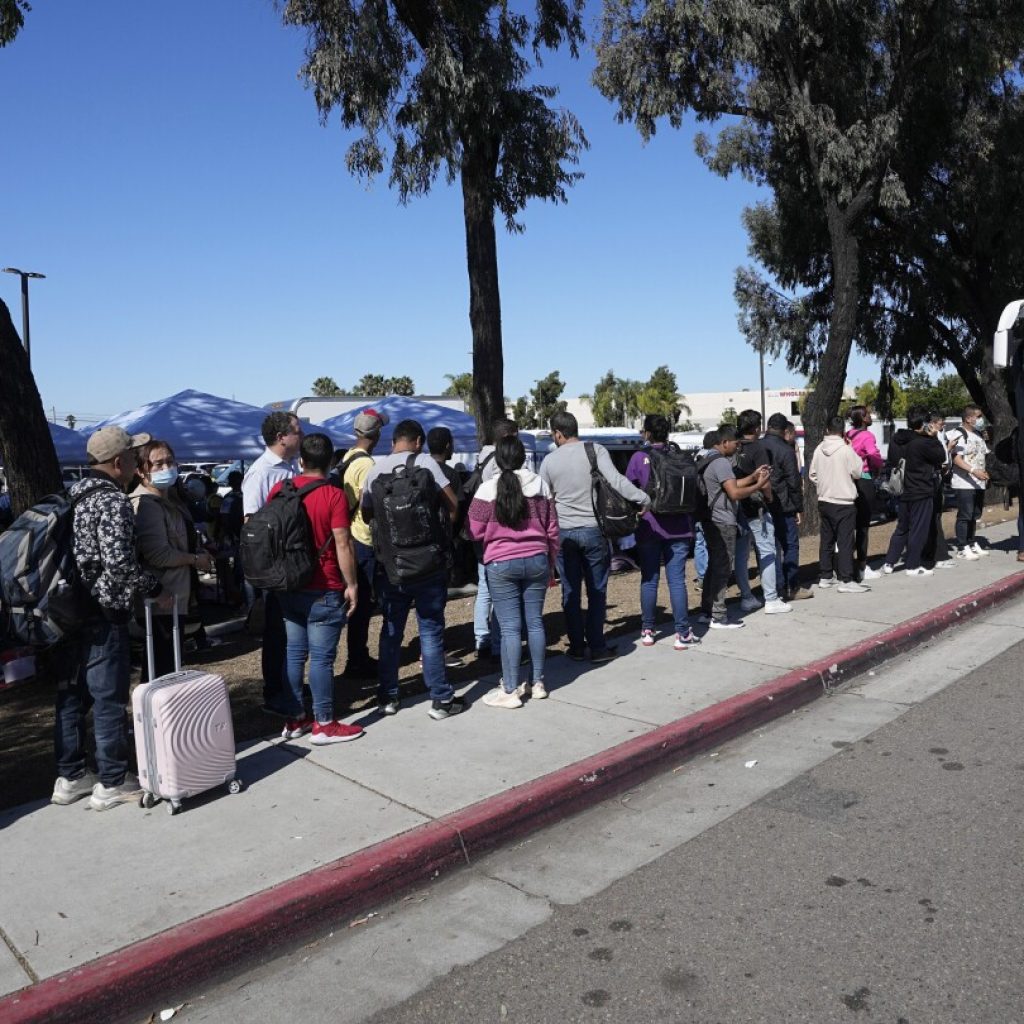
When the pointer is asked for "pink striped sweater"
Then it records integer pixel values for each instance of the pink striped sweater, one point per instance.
(536, 535)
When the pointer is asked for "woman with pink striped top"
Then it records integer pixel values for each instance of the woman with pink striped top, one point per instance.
(513, 516)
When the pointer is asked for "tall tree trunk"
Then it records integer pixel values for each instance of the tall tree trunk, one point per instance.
(479, 167)
(986, 386)
(30, 460)
(823, 401)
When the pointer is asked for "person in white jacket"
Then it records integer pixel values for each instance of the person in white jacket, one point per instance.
(835, 468)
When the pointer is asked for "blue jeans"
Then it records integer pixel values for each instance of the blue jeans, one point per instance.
(787, 540)
(700, 552)
(652, 554)
(518, 587)
(486, 631)
(428, 597)
(763, 531)
(313, 620)
(93, 670)
(359, 622)
(584, 558)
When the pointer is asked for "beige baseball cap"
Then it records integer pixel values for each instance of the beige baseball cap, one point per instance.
(109, 442)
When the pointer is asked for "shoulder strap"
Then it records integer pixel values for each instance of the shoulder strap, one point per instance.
(410, 462)
(356, 456)
(487, 459)
(305, 488)
(592, 457)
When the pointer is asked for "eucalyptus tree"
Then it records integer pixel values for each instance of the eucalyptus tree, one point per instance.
(450, 88)
(821, 102)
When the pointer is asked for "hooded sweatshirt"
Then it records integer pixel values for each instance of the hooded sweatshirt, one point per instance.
(834, 468)
(923, 456)
(537, 534)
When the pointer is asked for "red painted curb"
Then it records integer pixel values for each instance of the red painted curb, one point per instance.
(151, 972)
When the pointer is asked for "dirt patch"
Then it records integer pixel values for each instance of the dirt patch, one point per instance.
(26, 712)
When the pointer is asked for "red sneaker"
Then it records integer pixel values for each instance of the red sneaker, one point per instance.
(334, 732)
(296, 727)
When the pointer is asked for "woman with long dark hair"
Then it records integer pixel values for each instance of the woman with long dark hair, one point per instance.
(513, 516)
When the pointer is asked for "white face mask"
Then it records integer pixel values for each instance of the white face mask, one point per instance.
(979, 423)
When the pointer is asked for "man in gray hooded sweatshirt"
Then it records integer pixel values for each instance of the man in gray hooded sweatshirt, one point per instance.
(834, 468)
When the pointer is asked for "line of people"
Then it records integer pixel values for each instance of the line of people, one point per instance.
(531, 528)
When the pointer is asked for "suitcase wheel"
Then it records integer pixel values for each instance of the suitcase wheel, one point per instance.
(235, 786)
(148, 800)
(173, 806)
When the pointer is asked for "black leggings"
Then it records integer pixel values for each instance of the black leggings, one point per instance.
(864, 505)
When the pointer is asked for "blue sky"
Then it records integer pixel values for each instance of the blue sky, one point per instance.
(169, 174)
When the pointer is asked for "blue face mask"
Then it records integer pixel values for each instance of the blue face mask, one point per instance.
(164, 478)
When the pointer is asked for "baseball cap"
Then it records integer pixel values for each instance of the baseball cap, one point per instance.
(369, 421)
(109, 442)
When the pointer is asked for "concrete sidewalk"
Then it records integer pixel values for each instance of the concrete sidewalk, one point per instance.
(329, 830)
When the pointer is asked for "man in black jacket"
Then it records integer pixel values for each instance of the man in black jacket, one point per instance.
(786, 504)
(922, 457)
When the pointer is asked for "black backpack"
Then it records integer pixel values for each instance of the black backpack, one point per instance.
(469, 489)
(277, 549)
(672, 483)
(409, 536)
(616, 516)
(743, 465)
(42, 594)
(702, 506)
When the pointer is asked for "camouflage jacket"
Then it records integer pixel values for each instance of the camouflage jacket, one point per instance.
(104, 545)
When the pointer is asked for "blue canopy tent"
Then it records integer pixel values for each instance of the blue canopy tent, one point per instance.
(70, 445)
(199, 427)
(427, 414)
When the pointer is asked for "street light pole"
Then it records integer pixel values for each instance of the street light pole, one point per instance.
(24, 275)
(760, 356)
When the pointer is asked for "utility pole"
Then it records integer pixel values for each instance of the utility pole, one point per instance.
(25, 338)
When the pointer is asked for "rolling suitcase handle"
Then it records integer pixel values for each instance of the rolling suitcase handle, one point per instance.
(175, 634)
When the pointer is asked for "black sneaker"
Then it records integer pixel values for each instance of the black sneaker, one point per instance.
(576, 655)
(273, 709)
(390, 705)
(486, 654)
(445, 709)
(603, 655)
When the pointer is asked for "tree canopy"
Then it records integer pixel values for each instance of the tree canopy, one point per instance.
(451, 89)
(839, 109)
(620, 402)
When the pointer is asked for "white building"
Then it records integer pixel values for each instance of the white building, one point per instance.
(708, 407)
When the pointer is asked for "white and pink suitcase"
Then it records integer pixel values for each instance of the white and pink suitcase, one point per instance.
(184, 738)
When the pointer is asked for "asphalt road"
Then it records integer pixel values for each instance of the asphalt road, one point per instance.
(885, 884)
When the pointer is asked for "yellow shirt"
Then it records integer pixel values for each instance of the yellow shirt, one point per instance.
(355, 480)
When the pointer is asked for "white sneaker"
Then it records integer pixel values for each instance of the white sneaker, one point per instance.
(727, 625)
(946, 563)
(826, 582)
(647, 637)
(870, 574)
(853, 587)
(979, 550)
(776, 607)
(887, 569)
(968, 554)
(537, 691)
(920, 571)
(498, 698)
(105, 797)
(67, 791)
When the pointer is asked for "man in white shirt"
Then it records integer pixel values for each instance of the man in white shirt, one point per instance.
(282, 434)
(968, 449)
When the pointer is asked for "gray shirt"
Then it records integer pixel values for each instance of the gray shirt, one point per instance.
(566, 471)
(723, 508)
(260, 478)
